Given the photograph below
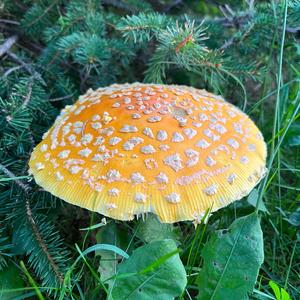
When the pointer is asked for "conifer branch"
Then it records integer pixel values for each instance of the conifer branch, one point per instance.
(61, 98)
(18, 60)
(26, 188)
(12, 22)
(28, 96)
(42, 244)
(10, 70)
(11, 175)
(43, 14)
(8, 44)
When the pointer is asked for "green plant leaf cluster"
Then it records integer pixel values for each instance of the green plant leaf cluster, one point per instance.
(153, 271)
(232, 259)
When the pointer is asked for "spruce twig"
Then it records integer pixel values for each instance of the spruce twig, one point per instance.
(20, 62)
(41, 242)
(26, 188)
(61, 98)
(11, 175)
(12, 22)
(10, 70)
(8, 44)
(28, 96)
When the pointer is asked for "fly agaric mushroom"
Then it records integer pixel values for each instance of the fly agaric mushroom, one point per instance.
(130, 149)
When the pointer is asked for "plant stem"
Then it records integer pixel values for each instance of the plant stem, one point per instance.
(275, 126)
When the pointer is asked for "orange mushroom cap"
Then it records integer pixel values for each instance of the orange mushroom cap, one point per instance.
(130, 149)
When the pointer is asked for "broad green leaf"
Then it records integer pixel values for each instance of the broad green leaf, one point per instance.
(110, 234)
(232, 259)
(152, 230)
(294, 218)
(10, 283)
(153, 271)
(252, 199)
(108, 265)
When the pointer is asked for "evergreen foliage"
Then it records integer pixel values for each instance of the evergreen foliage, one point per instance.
(53, 51)
(5, 246)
